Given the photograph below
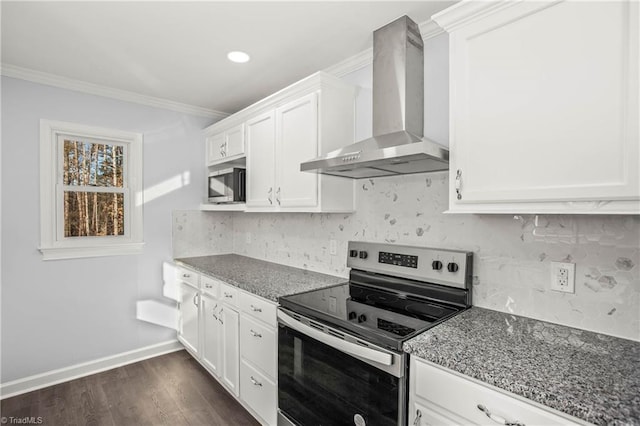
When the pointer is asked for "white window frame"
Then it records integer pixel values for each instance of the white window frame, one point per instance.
(53, 243)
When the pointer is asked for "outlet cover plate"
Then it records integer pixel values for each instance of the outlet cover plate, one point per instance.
(563, 277)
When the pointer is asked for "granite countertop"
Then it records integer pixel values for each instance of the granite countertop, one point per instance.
(265, 279)
(591, 376)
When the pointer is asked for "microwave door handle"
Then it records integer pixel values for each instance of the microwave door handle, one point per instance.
(335, 342)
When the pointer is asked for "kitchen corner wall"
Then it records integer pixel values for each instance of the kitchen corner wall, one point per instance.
(512, 254)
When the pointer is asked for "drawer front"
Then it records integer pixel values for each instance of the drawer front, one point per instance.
(259, 393)
(258, 344)
(259, 308)
(462, 397)
(188, 276)
(229, 294)
(210, 285)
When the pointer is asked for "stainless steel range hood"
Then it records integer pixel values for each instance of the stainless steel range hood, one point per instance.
(397, 145)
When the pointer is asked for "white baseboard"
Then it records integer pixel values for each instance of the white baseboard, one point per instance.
(42, 380)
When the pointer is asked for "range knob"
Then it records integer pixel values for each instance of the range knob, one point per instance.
(362, 318)
(363, 254)
(436, 265)
(352, 315)
(452, 267)
(353, 253)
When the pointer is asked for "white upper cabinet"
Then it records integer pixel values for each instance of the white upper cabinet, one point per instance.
(297, 136)
(261, 149)
(305, 120)
(224, 145)
(544, 106)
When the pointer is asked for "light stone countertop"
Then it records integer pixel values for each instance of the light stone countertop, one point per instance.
(265, 279)
(591, 376)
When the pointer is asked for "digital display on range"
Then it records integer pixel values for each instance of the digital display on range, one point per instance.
(405, 260)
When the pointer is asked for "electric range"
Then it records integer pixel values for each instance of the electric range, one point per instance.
(352, 333)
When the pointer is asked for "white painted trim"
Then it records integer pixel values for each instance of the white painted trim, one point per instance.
(14, 71)
(57, 253)
(351, 64)
(49, 378)
(430, 29)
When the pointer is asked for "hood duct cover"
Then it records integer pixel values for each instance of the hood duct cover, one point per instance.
(397, 145)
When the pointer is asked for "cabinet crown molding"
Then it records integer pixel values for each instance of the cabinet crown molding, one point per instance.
(468, 11)
(316, 81)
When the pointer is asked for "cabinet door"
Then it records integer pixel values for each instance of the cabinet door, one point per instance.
(420, 415)
(544, 108)
(211, 333)
(230, 348)
(189, 307)
(234, 141)
(297, 141)
(215, 147)
(261, 160)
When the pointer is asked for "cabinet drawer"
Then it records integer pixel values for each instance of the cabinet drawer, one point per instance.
(259, 308)
(259, 393)
(188, 276)
(210, 285)
(258, 344)
(462, 397)
(228, 294)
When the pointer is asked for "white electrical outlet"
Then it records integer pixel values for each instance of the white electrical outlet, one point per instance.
(563, 276)
(247, 237)
(333, 247)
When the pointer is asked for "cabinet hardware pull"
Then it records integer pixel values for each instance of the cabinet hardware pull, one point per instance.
(255, 334)
(207, 285)
(185, 275)
(459, 184)
(498, 419)
(416, 422)
(220, 315)
(228, 295)
(270, 191)
(254, 309)
(195, 296)
(255, 382)
(278, 195)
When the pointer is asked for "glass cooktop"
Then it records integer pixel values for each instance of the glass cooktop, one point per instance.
(382, 316)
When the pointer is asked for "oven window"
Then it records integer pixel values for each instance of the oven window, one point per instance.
(218, 185)
(320, 385)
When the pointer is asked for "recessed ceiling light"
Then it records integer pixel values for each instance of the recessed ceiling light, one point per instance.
(239, 57)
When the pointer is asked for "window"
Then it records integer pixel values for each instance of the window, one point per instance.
(90, 191)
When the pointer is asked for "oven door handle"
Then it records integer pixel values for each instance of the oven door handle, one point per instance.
(337, 343)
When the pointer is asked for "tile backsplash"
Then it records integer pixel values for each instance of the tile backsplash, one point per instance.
(512, 254)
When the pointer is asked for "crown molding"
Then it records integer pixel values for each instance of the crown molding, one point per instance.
(354, 63)
(14, 71)
(428, 29)
(469, 11)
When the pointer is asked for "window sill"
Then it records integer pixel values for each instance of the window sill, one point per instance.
(56, 253)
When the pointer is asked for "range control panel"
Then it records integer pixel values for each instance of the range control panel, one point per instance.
(439, 266)
(398, 259)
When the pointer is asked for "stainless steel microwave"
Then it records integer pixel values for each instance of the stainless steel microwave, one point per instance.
(227, 186)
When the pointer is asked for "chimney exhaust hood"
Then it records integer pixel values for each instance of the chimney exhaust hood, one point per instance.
(397, 145)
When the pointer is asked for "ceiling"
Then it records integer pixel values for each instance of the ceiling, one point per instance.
(177, 50)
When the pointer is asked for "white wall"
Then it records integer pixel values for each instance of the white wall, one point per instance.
(60, 313)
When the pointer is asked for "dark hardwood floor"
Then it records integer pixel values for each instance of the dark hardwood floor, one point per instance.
(171, 389)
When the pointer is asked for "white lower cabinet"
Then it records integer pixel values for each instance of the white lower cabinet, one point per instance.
(211, 333)
(188, 329)
(259, 392)
(230, 348)
(258, 353)
(233, 334)
(438, 396)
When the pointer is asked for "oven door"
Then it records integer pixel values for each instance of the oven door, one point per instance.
(325, 378)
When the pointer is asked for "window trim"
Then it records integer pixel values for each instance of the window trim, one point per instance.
(54, 246)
